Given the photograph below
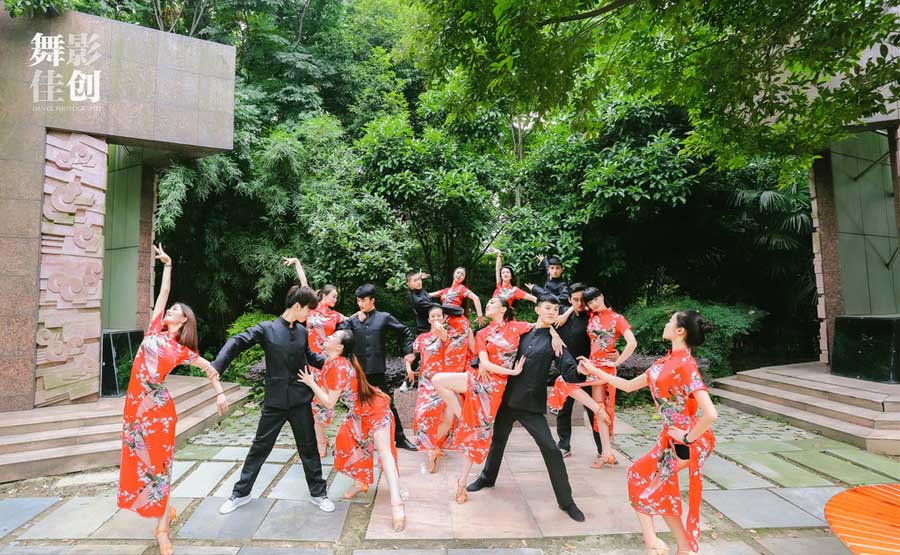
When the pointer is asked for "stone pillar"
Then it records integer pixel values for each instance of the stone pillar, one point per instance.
(69, 319)
(826, 258)
(146, 260)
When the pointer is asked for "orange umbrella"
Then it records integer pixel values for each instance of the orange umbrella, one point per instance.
(867, 519)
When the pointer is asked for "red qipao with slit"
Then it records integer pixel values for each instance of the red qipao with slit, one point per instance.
(483, 394)
(653, 479)
(454, 295)
(509, 294)
(148, 423)
(354, 445)
(429, 406)
(604, 329)
(320, 324)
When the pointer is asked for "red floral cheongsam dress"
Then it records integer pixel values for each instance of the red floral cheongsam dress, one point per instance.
(483, 395)
(653, 479)
(429, 406)
(455, 294)
(604, 329)
(148, 423)
(354, 446)
(320, 324)
(509, 294)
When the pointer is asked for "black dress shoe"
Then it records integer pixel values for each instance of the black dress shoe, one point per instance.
(574, 513)
(478, 484)
(404, 443)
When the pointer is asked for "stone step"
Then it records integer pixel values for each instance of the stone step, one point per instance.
(107, 410)
(876, 441)
(826, 407)
(823, 386)
(83, 456)
(61, 437)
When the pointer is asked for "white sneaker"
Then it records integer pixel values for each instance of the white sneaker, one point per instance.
(233, 503)
(323, 503)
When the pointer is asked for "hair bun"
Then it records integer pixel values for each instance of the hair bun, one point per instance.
(706, 327)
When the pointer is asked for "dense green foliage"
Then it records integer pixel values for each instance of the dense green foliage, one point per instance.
(241, 369)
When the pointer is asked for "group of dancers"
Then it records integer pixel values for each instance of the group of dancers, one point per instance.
(472, 388)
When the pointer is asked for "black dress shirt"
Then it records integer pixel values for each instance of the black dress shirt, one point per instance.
(370, 334)
(287, 351)
(574, 334)
(421, 304)
(528, 390)
(557, 286)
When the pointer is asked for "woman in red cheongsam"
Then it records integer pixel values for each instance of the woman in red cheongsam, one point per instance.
(685, 440)
(320, 324)
(458, 292)
(369, 425)
(604, 328)
(505, 289)
(149, 419)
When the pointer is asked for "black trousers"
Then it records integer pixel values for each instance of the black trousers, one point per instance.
(564, 424)
(380, 381)
(270, 423)
(536, 424)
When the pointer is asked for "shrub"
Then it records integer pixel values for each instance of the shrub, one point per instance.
(247, 368)
(732, 322)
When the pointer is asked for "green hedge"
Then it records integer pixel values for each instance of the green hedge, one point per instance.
(241, 369)
(732, 322)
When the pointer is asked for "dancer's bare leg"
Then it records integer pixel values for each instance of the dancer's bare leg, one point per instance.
(321, 440)
(449, 386)
(585, 399)
(648, 530)
(599, 396)
(388, 463)
(163, 531)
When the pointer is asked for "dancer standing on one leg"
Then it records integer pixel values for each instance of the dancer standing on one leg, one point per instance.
(525, 401)
(506, 290)
(320, 324)
(285, 344)
(458, 292)
(370, 327)
(605, 327)
(430, 348)
(149, 418)
(572, 328)
(685, 440)
(369, 425)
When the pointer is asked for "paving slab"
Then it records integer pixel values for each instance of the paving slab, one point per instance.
(88, 478)
(430, 521)
(239, 454)
(196, 452)
(17, 511)
(292, 484)
(805, 546)
(707, 547)
(181, 549)
(77, 518)
(755, 446)
(399, 551)
(80, 549)
(811, 500)
(817, 443)
(35, 550)
(264, 479)
(302, 521)
(342, 483)
(731, 476)
(780, 471)
(180, 468)
(878, 463)
(759, 508)
(203, 479)
(127, 524)
(207, 524)
(496, 551)
(838, 469)
(285, 551)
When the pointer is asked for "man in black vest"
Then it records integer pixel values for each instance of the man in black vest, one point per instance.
(572, 328)
(369, 327)
(287, 399)
(525, 401)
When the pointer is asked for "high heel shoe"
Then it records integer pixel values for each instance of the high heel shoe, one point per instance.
(461, 495)
(355, 490)
(688, 553)
(173, 516)
(169, 550)
(398, 517)
(602, 461)
(432, 461)
(659, 548)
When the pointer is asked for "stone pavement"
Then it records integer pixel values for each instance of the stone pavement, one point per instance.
(764, 491)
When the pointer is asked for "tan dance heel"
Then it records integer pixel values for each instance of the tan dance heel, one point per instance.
(355, 490)
(398, 517)
(164, 533)
(432, 461)
(602, 461)
(659, 548)
(461, 495)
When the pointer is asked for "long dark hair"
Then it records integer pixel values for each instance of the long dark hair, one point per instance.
(187, 335)
(694, 325)
(510, 314)
(366, 393)
(325, 291)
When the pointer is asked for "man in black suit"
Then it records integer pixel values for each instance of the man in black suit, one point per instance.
(555, 284)
(287, 399)
(525, 401)
(369, 327)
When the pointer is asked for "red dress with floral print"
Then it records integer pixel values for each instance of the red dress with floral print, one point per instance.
(354, 445)
(604, 329)
(509, 294)
(454, 295)
(653, 479)
(483, 394)
(320, 324)
(429, 406)
(148, 423)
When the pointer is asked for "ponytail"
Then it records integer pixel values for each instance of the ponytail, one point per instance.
(366, 393)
